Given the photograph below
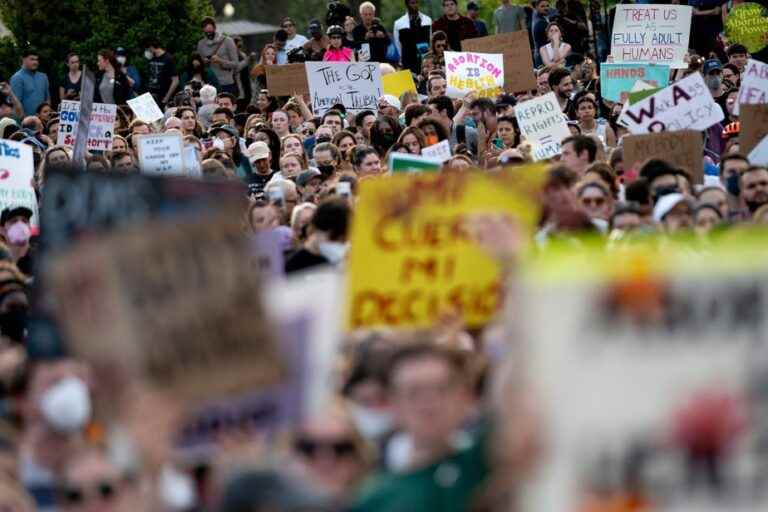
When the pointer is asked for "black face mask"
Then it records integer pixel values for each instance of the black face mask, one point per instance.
(327, 170)
(13, 324)
(387, 139)
(322, 138)
(210, 35)
(732, 184)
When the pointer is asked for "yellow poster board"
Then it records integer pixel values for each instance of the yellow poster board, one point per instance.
(412, 257)
(397, 83)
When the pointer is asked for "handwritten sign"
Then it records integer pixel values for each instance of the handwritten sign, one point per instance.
(759, 154)
(16, 171)
(482, 73)
(651, 33)
(543, 125)
(397, 83)
(287, 79)
(616, 79)
(412, 228)
(100, 130)
(145, 108)
(682, 149)
(684, 105)
(518, 64)
(754, 126)
(405, 162)
(754, 85)
(355, 85)
(161, 153)
(747, 24)
(440, 151)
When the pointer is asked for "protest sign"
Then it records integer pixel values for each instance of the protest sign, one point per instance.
(651, 33)
(161, 153)
(192, 163)
(618, 78)
(287, 79)
(754, 85)
(754, 126)
(100, 129)
(518, 64)
(682, 149)
(16, 172)
(398, 82)
(145, 108)
(440, 151)
(413, 229)
(481, 73)
(644, 384)
(543, 125)
(267, 253)
(759, 155)
(747, 24)
(355, 85)
(684, 105)
(405, 162)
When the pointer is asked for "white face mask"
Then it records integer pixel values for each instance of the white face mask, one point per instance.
(148, 54)
(333, 251)
(66, 406)
(218, 143)
(371, 423)
(120, 59)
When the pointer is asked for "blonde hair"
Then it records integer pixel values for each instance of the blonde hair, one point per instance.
(367, 5)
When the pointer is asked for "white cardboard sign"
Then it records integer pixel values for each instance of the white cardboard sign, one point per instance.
(146, 108)
(16, 172)
(481, 73)
(543, 125)
(101, 129)
(651, 33)
(356, 85)
(754, 84)
(440, 151)
(162, 153)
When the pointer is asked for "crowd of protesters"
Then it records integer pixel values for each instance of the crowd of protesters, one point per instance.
(411, 428)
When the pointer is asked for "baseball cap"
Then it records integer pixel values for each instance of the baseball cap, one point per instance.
(665, 204)
(120, 51)
(391, 100)
(711, 65)
(315, 26)
(258, 151)
(13, 211)
(305, 177)
(223, 128)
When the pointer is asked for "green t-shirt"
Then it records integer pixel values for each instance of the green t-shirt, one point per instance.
(446, 486)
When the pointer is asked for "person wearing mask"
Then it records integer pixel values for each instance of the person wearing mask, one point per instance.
(508, 18)
(539, 29)
(293, 39)
(70, 85)
(29, 85)
(315, 47)
(367, 15)
(731, 167)
(473, 13)
(326, 237)
(411, 33)
(456, 26)
(134, 78)
(713, 77)
(112, 85)
(336, 51)
(163, 77)
(578, 153)
(561, 83)
(220, 52)
(17, 232)
(327, 160)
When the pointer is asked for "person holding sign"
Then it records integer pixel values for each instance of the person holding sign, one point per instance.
(556, 51)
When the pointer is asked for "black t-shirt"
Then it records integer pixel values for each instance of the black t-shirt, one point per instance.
(161, 71)
(303, 259)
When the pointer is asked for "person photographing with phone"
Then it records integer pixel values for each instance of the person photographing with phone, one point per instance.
(220, 53)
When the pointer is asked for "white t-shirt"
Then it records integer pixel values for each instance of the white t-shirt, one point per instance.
(295, 42)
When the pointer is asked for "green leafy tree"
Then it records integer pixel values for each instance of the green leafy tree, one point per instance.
(87, 26)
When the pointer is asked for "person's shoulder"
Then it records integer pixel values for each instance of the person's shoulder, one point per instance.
(386, 491)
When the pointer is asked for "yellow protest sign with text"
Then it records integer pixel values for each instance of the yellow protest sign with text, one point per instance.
(398, 83)
(412, 255)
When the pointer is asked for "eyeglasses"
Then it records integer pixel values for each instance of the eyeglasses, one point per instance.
(104, 491)
(311, 447)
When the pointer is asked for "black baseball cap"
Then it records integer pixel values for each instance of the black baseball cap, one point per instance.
(12, 211)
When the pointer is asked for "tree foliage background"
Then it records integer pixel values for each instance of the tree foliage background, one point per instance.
(58, 27)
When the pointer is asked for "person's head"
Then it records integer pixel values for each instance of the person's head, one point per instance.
(436, 85)
(484, 112)
(505, 129)
(602, 172)
(367, 13)
(30, 59)
(222, 116)
(344, 140)
(754, 187)
(578, 152)
(434, 130)
(334, 120)
(441, 107)
(542, 7)
(349, 25)
(188, 119)
(716, 197)
(207, 94)
(429, 390)
(413, 139)
(673, 213)
(324, 133)
(415, 113)
(706, 217)
(331, 220)
(260, 157)
(738, 55)
(473, 10)
(366, 161)
(226, 100)
(292, 143)
(280, 122)
(209, 27)
(15, 225)
(450, 9)
(384, 133)
(327, 158)
(315, 30)
(560, 82)
(106, 59)
(289, 26)
(596, 200)
(300, 219)
(289, 194)
(626, 217)
(269, 53)
(661, 178)
(122, 162)
(266, 103)
(389, 105)
(365, 120)
(44, 112)
(731, 167)
(586, 109)
(262, 216)
(335, 34)
(542, 81)
(119, 144)
(291, 165)
(554, 32)
(308, 183)
(92, 483)
(412, 6)
(731, 74)
(73, 62)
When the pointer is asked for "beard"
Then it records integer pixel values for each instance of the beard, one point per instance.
(759, 200)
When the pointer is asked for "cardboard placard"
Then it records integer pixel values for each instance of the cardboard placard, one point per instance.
(518, 64)
(161, 154)
(16, 171)
(684, 105)
(543, 125)
(754, 85)
(287, 79)
(651, 33)
(754, 126)
(682, 149)
(100, 129)
(357, 85)
(759, 154)
(481, 73)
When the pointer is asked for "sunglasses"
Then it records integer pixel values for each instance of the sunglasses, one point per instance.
(103, 491)
(311, 447)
